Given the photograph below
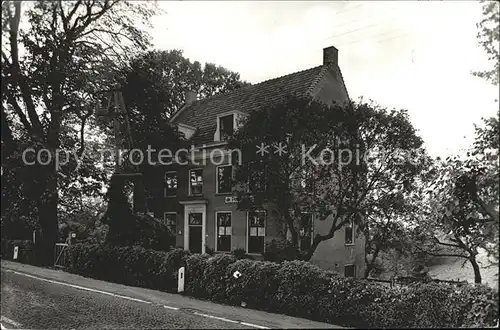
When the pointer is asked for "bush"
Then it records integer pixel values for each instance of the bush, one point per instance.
(127, 265)
(295, 288)
(194, 283)
(241, 254)
(279, 250)
(127, 228)
(25, 254)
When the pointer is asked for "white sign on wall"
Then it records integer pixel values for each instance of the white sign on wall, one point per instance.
(16, 251)
(231, 200)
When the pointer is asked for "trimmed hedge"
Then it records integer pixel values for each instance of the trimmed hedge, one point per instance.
(134, 265)
(295, 288)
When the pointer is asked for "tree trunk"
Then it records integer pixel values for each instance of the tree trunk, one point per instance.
(371, 264)
(291, 227)
(317, 239)
(47, 216)
(477, 271)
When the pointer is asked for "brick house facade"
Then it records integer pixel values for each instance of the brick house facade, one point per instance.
(198, 203)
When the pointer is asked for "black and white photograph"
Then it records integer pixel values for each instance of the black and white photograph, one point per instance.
(250, 164)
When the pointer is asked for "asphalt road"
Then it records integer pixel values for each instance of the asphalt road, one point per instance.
(37, 298)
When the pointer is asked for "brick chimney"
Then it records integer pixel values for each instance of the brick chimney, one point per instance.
(330, 56)
(191, 97)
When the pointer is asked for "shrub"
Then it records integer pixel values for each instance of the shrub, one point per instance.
(279, 250)
(195, 266)
(216, 275)
(209, 251)
(127, 228)
(25, 254)
(241, 254)
(295, 288)
(256, 285)
(127, 265)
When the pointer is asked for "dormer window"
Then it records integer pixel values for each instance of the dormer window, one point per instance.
(226, 125)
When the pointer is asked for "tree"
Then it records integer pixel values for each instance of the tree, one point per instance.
(323, 170)
(463, 202)
(489, 39)
(386, 226)
(52, 70)
(154, 86)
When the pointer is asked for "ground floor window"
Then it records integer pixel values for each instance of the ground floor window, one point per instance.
(256, 231)
(349, 271)
(170, 219)
(223, 221)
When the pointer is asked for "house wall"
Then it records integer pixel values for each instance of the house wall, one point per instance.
(215, 203)
(331, 254)
(331, 88)
(334, 254)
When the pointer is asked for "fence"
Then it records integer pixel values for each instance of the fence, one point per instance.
(59, 255)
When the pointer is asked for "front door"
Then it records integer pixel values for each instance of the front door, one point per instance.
(195, 232)
(194, 227)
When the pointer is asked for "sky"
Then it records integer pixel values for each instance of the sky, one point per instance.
(415, 55)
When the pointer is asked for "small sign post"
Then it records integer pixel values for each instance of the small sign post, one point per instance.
(180, 283)
(16, 251)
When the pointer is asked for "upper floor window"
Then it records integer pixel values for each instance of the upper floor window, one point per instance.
(224, 179)
(349, 232)
(170, 184)
(306, 230)
(196, 182)
(226, 124)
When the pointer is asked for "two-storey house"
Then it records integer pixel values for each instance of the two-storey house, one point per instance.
(199, 204)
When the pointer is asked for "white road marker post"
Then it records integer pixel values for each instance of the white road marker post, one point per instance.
(237, 275)
(16, 251)
(180, 280)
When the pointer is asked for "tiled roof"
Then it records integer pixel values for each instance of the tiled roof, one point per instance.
(202, 113)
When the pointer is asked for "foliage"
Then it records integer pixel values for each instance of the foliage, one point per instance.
(463, 201)
(51, 73)
(241, 254)
(127, 228)
(26, 250)
(295, 288)
(489, 39)
(279, 250)
(154, 86)
(195, 267)
(371, 154)
(84, 221)
(127, 265)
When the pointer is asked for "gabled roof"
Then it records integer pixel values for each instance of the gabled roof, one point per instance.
(202, 113)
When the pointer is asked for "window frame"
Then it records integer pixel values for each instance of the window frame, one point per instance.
(354, 270)
(165, 220)
(248, 231)
(217, 189)
(189, 181)
(165, 182)
(220, 118)
(353, 233)
(217, 230)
